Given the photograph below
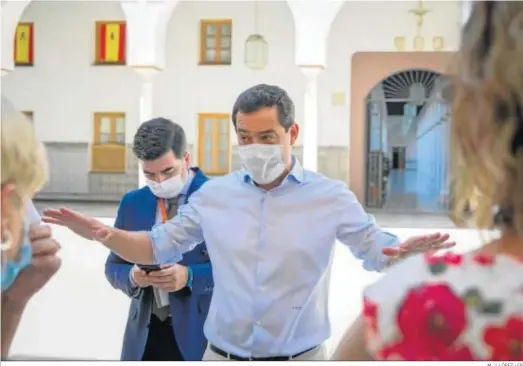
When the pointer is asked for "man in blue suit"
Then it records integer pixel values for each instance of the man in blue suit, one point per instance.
(171, 330)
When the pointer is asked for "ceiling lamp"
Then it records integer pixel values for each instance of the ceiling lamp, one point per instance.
(256, 47)
(256, 52)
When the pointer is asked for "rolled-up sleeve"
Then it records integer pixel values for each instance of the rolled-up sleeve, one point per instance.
(178, 235)
(360, 233)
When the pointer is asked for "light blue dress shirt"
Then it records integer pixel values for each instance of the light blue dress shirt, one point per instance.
(271, 253)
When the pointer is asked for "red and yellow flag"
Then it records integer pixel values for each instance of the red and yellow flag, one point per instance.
(111, 42)
(24, 39)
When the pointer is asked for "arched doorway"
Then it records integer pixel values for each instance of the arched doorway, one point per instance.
(369, 69)
(406, 157)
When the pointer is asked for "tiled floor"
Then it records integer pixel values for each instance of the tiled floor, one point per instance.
(80, 316)
(404, 194)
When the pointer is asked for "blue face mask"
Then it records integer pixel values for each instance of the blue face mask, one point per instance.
(10, 270)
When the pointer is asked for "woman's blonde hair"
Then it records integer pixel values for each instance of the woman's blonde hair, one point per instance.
(487, 116)
(23, 159)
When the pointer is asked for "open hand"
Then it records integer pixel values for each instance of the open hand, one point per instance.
(85, 226)
(419, 244)
(172, 277)
(44, 264)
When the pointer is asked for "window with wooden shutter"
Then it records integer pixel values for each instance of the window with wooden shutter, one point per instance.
(214, 152)
(216, 42)
(108, 151)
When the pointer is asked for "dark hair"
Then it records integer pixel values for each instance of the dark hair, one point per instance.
(156, 137)
(263, 95)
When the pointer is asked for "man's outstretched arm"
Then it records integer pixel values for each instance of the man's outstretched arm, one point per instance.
(165, 243)
(367, 241)
(360, 233)
(134, 247)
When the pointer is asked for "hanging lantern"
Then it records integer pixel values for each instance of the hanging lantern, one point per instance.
(256, 52)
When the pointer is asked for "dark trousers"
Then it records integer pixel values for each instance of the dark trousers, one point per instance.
(161, 344)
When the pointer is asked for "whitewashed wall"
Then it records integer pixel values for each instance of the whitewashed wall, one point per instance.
(372, 26)
(63, 89)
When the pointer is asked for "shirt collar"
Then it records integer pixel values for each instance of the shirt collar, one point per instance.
(296, 173)
(187, 185)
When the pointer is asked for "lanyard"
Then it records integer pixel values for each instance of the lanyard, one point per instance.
(163, 210)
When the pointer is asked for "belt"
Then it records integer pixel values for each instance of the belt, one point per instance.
(230, 356)
(155, 320)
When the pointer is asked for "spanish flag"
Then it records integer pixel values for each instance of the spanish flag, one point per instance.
(111, 43)
(23, 53)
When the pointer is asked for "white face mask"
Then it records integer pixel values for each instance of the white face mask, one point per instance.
(169, 188)
(264, 162)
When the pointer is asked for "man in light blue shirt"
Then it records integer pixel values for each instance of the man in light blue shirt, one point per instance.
(270, 229)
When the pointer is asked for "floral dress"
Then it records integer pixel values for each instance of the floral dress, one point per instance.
(451, 307)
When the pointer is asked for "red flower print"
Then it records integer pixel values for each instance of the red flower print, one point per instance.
(440, 264)
(370, 312)
(461, 353)
(448, 258)
(430, 258)
(452, 259)
(430, 320)
(484, 259)
(506, 341)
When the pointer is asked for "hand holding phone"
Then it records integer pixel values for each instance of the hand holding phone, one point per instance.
(140, 274)
(147, 268)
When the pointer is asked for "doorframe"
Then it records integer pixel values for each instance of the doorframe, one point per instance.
(367, 70)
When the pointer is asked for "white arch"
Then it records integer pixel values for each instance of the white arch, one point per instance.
(147, 24)
(147, 31)
(11, 13)
(312, 23)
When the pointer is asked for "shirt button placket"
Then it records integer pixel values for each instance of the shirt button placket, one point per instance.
(260, 247)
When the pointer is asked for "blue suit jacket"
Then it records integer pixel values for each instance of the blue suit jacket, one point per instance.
(189, 307)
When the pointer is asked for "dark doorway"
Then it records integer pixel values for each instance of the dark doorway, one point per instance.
(395, 160)
(398, 158)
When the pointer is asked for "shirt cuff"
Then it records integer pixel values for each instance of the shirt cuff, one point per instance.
(133, 284)
(163, 251)
(390, 241)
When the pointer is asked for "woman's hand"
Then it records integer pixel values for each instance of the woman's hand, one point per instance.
(44, 264)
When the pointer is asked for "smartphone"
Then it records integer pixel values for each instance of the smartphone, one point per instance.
(149, 267)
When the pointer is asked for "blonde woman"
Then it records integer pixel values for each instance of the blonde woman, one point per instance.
(28, 253)
(470, 306)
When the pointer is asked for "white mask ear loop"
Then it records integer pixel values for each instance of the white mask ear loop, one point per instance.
(7, 243)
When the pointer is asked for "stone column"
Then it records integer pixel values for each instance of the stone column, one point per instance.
(146, 103)
(312, 21)
(310, 118)
(146, 40)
